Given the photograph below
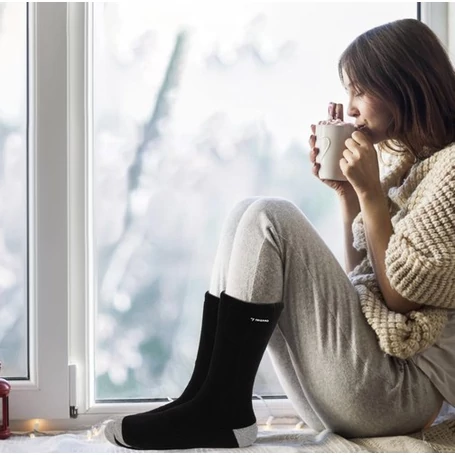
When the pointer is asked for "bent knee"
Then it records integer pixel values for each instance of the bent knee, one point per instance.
(275, 211)
(243, 204)
(274, 206)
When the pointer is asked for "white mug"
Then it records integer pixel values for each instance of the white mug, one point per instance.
(330, 141)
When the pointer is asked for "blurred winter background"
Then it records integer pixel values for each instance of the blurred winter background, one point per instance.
(196, 106)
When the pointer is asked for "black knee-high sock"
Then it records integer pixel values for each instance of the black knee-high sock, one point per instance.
(204, 353)
(221, 414)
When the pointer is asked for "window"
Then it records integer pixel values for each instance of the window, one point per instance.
(136, 119)
(195, 108)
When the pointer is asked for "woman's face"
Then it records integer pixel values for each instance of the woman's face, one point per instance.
(370, 113)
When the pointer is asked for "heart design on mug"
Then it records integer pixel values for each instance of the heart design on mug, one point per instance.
(324, 145)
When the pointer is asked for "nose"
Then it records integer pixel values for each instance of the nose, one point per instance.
(352, 110)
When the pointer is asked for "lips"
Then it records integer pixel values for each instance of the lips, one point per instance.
(364, 129)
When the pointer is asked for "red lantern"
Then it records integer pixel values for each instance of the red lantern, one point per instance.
(5, 432)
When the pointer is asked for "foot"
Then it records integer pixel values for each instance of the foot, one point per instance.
(191, 425)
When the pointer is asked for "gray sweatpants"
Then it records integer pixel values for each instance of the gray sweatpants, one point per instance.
(325, 354)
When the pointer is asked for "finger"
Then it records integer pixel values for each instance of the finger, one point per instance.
(343, 166)
(315, 169)
(331, 112)
(312, 141)
(313, 154)
(313, 129)
(360, 138)
(349, 157)
(339, 111)
(352, 146)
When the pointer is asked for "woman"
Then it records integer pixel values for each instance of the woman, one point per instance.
(369, 351)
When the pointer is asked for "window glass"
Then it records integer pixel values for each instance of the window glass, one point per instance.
(13, 191)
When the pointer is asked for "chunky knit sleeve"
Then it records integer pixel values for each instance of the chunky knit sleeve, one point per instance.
(420, 257)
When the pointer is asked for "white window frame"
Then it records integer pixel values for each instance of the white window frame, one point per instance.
(451, 30)
(61, 267)
(436, 16)
(46, 393)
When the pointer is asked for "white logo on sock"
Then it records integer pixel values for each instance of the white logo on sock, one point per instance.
(259, 320)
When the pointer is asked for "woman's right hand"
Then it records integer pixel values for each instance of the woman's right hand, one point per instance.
(343, 188)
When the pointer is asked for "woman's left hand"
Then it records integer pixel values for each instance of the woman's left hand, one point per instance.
(360, 164)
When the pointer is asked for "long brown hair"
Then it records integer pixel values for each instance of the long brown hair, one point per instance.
(404, 64)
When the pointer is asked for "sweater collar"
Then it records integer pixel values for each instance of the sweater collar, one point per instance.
(406, 175)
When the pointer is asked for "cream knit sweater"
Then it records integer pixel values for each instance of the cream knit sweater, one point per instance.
(420, 257)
